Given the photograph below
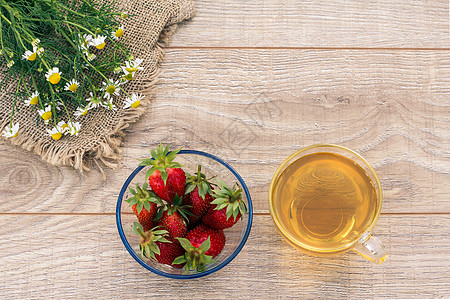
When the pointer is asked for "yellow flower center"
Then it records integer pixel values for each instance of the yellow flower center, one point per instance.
(56, 136)
(129, 76)
(73, 87)
(54, 78)
(131, 69)
(64, 126)
(101, 46)
(47, 115)
(110, 89)
(84, 113)
(32, 57)
(119, 32)
(135, 104)
(34, 101)
(15, 134)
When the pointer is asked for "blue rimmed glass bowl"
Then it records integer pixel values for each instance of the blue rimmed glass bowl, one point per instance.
(236, 236)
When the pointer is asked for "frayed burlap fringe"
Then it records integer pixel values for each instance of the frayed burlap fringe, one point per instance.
(104, 150)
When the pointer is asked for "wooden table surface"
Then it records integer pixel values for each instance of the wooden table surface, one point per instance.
(253, 81)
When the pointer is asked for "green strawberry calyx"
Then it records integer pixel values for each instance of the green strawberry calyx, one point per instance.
(198, 180)
(231, 199)
(177, 206)
(194, 258)
(147, 243)
(161, 160)
(142, 197)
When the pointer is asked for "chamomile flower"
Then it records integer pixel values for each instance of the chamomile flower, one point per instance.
(62, 126)
(53, 75)
(81, 111)
(94, 101)
(99, 42)
(72, 85)
(11, 131)
(46, 113)
(134, 101)
(111, 88)
(33, 99)
(109, 105)
(118, 33)
(128, 75)
(29, 55)
(124, 15)
(56, 133)
(10, 64)
(74, 128)
(36, 42)
(133, 65)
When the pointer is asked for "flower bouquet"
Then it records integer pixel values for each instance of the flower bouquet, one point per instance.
(64, 57)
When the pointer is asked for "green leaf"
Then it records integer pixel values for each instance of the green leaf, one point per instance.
(131, 201)
(133, 192)
(155, 249)
(135, 226)
(147, 162)
(205, 245)
(189, 188)
(222, 206)
(171, 156)
(242, 208)
(179, 260)
(219, 201)
(229, 211)
(175, 165)
(163, 240)
(139, 207)
(166, 150)
(160, 232)
(185, 243)
(145, 186)
(147, 205)
(235, 205)
(164, 176)
(154, 155)
(235, 213)
(149, 172)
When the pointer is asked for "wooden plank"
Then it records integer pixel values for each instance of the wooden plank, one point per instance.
(82, 257)
(254, 108)
(290, 23)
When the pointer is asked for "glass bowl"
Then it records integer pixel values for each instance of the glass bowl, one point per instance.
(236, 236)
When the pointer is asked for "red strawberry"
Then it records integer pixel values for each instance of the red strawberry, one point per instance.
(165, 176)
(144, 204)
(227, 207)
(169, 251)
(174, 185)
(173, 218)
(201, 233)
(156, 244)
(198, 196)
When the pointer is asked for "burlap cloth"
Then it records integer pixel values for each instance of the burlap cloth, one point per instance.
(102, 130)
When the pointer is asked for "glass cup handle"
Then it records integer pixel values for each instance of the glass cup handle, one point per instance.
(371, 248)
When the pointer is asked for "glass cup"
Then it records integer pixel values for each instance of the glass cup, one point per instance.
(325, 199)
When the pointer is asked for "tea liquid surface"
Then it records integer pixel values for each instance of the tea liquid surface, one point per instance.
(325, 200)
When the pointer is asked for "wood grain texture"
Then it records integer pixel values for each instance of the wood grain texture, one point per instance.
(254, 108)
(290, 23)
(81, 257)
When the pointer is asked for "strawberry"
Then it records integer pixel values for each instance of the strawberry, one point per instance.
(144, 204)
(198, 196)
(201, 233)
(156, 244)
(173, 218)
(165, 176)
(195, 258)
(227, 203)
